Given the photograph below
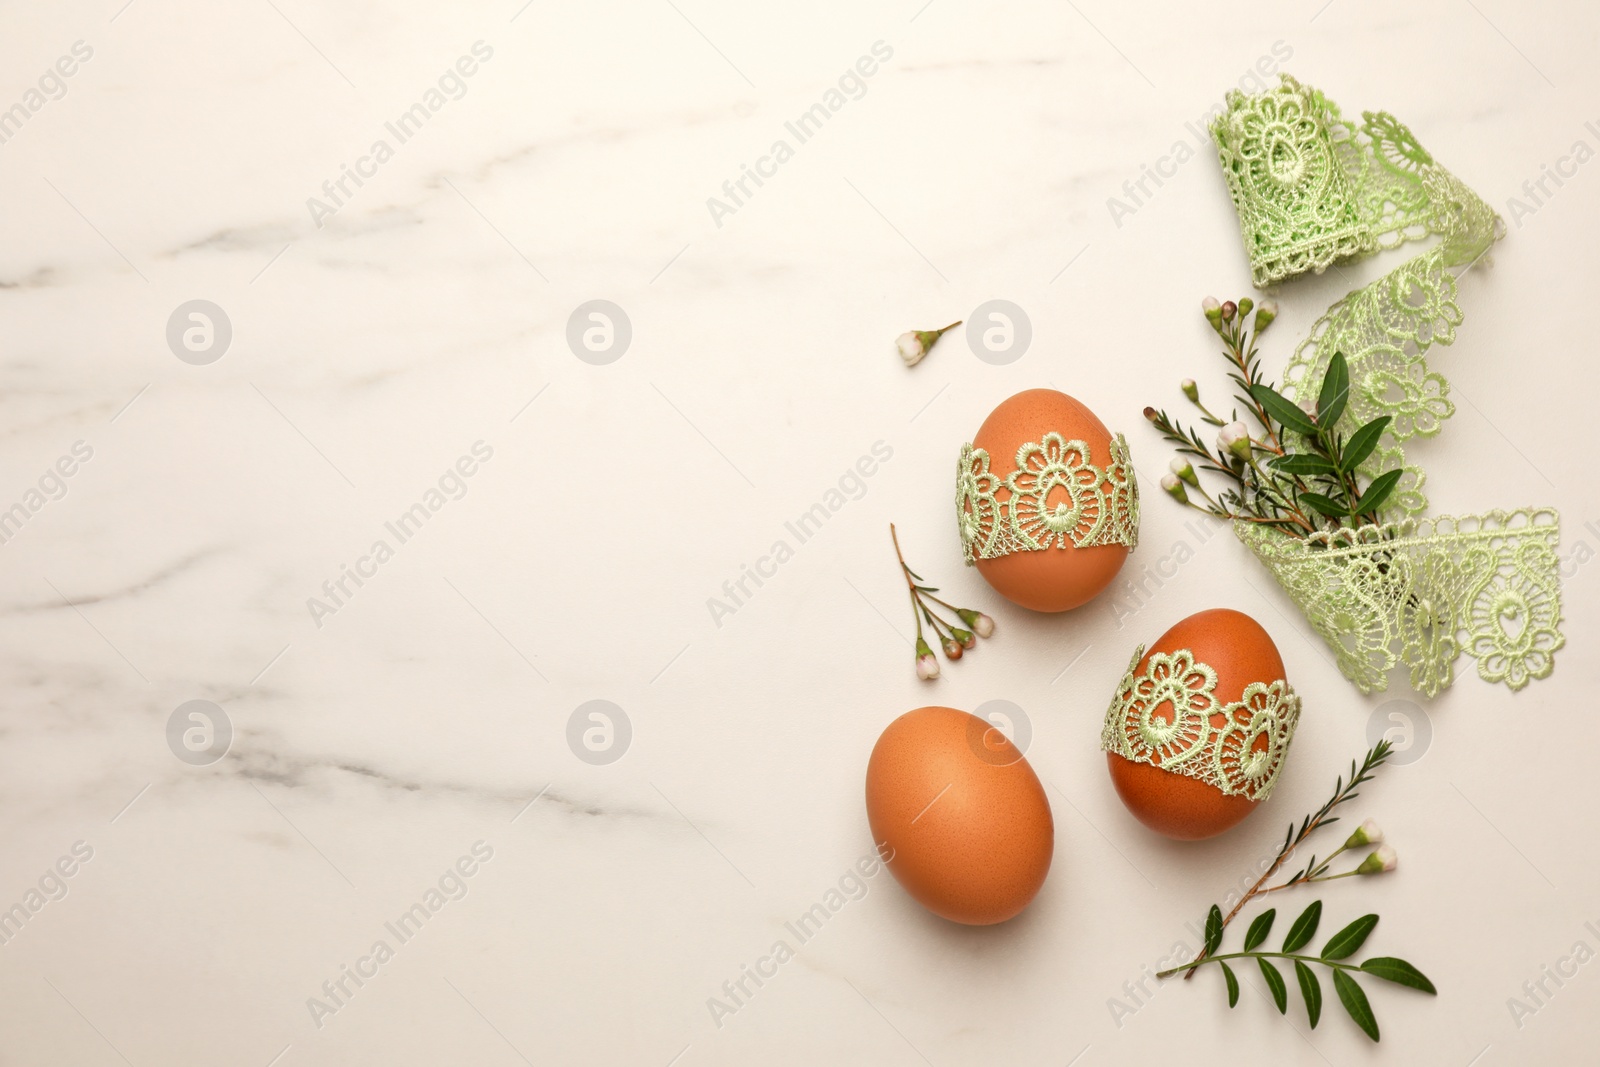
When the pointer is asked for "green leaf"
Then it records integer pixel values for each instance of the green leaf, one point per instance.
(1280, 992)
(1379, 491)
(1233, 983)
(1362, 442)
(1259, 929)
(1327, 505)
(1280, 408)
(1214, 929)
(1304, 464)
(1344, 943)
(1399, 971)
(1335, 391)
(1304, 928)
(1355, 1002)
(1311, 990)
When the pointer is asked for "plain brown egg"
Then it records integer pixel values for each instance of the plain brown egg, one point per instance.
(960, 815)
(1240, 651)
(1061, 577)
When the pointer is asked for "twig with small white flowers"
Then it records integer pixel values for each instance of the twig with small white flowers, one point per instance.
(953, 639)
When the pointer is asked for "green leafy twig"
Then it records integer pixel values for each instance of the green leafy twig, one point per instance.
(1323, 816)
(1295, 472)
(1339, 948)
(1330, 461)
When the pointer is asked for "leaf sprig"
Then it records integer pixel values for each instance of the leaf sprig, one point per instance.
(1296, 472)
(1339, 948)
(1329, 464)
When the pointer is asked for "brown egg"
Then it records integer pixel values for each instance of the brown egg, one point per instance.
(960, 815)
(1240, 652)
(1062, 576)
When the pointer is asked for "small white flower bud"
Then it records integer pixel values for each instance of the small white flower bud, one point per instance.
(910, 347)
(1174, 488)
(1235, 438)
(1382, 860)
(914, 344)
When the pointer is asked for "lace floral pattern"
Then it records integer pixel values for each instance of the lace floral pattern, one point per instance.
(1514, 617)
(1056, 496)
(1428, 590)
(1298, 208)
(1412, 590)
(1168, 716)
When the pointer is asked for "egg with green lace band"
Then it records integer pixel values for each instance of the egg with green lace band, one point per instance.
(1047, 504)
(1200, 725)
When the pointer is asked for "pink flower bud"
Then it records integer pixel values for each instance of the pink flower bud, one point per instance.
(981, 624)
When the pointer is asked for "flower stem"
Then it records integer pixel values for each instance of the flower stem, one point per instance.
(1312, 874)
(895, 537)
(1308, 880)
(905, 572)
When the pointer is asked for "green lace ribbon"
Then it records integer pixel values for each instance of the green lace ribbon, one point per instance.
(1312, 189)
(1168, 716)
(1092, 505)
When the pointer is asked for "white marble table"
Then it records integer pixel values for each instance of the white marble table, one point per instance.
(403, 740)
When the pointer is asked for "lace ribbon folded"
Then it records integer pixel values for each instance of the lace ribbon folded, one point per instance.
(1313, 189)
